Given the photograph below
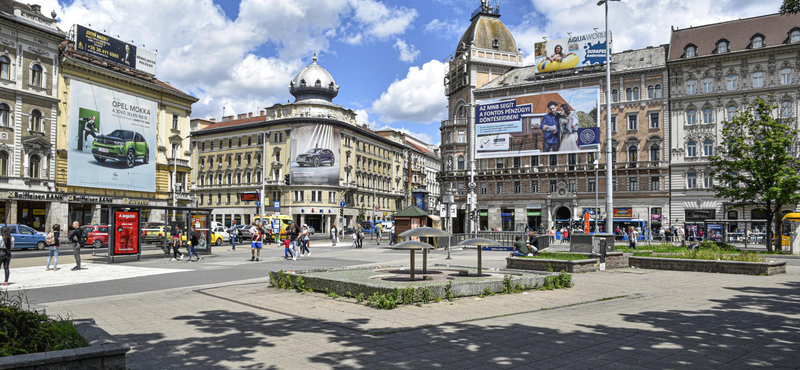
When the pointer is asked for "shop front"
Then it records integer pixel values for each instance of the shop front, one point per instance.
(507, 216)
(695, 220)
(28, 208)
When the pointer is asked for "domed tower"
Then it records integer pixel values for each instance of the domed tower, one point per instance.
(485, 51)
(314, 85)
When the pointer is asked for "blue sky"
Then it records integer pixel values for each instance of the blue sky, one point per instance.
(385, 54)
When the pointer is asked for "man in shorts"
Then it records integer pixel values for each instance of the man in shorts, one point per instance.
(255, 244)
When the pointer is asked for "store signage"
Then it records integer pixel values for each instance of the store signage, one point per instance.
(507, 214)
(534, 213)
(126, 233)
(623, 212)
(138, 202)
(39, 212)
(484, 214)
(89, 199)
(34, 196)
(248, 197)
(656, 218)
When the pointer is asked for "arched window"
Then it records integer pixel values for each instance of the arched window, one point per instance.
(36, 75)
(795, 36)
(722, 47)
(691, 149)
(5, 68)
(691, 87)
(757, 42)
(36, 121)
(758, 79)
(633, 154)
(655, 153)
(691, 51)
(651, 92)
(786, 75)
(691, 117)
(635, 93)
(5, 114)
(708, 148)
(708, 116)
(33, 169)
(658, 92)
(691, 180)
(615, 96)
(3, 164)
(628, 94)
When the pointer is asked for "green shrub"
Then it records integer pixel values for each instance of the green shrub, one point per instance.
(448, 291)
(426, 295)
(561, 281)
(360, 297)
(300, 284)
(507, 287)
(24, 331)
(333, 295)
(408, 295)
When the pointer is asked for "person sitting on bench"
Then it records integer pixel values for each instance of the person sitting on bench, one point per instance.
(521, 248)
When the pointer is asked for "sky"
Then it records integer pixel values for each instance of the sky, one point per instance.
(386, 55)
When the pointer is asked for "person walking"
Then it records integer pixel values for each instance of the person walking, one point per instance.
(6, 245)
(392, 235)
(378, 232)
(176, 243)
(193, 241)
(232, 231)
(360, 237)
(355, 239)
(334, 236)
(292, 233)
(53, 244)
(633, 236)
(78, 239)
(304, 241)
(255, 243)
(552, 235)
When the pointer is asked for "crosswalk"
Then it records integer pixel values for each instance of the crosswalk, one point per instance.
(27, 278)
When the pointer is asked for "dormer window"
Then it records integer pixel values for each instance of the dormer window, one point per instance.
(722, 47)
(330, 86)
(318, 83)
(496, 43)
(794, 36)
(302, 83)
(757, 42)
(691, 51)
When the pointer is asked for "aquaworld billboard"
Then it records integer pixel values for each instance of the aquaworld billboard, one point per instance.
(570, 53)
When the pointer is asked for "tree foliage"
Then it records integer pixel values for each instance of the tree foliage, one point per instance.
(757, 163)
(790, 7)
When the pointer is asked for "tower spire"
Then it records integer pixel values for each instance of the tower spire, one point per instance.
(315, 57)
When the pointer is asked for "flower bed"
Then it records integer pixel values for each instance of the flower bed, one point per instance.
(700, 265)
(566, 261)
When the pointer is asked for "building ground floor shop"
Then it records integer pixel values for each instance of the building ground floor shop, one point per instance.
(321, 219)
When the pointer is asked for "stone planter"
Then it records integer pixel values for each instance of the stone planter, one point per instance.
(614, 260)
(103, 352)
(724, 267)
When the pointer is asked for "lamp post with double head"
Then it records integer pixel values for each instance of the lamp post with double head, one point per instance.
(609, 165)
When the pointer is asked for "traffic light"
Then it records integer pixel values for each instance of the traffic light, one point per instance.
(341, 212)
(287, 179)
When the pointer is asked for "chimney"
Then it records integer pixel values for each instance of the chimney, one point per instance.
(250, 115)
(243, 115)
(213, 120)
(262, 113)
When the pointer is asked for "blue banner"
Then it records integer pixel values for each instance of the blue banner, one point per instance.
(589, 136)
(506, 111)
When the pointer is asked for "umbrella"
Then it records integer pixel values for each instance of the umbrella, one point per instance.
(412, 246)
(480, 242)
(425, 232)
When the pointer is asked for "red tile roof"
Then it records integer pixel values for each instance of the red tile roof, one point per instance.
(235, 122)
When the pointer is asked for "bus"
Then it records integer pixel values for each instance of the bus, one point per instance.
(789, 224)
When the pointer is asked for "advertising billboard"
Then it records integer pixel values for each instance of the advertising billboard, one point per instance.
(113, 50)
(126, 232)
(569, 53)
(561, 121)
(315, 155)
(112, 139)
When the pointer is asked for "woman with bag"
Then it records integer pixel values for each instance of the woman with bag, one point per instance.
(176, 243)
(6, 244)
(193, 243)
(52, 241)
(304, 241)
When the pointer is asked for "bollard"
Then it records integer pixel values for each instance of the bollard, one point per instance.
(603, 255)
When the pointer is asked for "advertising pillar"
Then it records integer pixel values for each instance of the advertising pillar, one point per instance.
(126, 233)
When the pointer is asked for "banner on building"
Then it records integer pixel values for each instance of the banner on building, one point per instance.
(114, 50)
(315, 155)
(570, 53)
(126, 232)
(623, 212)
(111, 139)
(560, 121)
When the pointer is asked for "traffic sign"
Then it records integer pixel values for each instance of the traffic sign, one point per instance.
(342, 204)
(277, 205)
(258, 204)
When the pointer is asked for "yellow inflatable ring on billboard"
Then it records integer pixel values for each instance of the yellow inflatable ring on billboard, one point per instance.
(569, 62)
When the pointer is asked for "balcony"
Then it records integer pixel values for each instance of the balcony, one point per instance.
(180, 162)
(187, 197)
(455, 122)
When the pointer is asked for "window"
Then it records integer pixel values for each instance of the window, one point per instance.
(614, 155)
(651, 91)
(613, 123)
(461, 163)
(708, 148)
(691, 149)
(174, 121)
(36, 75)
(591, 185)
(691, 51)
(722, 47)
(659, 93)
(552, 186)
(5, 68)
(534, 161)
(786, 109)
(614, 96)
(201, 198)
(786, 75)
(33, 169)
(500, 163)
(3, 164)
(635, 93)
(554, 160)
(655, 153)
(633, 123)
(708, 85)
(573, 186)
(534, 186)
(633, 184)
(708, 181)
(654, 121)
(316, 196)
(708, 116)
(462, 136)
(615, 184)
(499, 188)
(795, 36)
(517, 187)
(517, 162)
(298, 196)
(758, 79)
(238, 178)
(449, 137)
(228, 198)
(655, 183)
(690, 87)
(758, 42)
(483, 188)
(36, 121)
(219, 198)
(628, 94)
(212, 145)
(633, 154)
(691, 180)
(730, 82)
(691, 117)
(572, 159)
(731, 113)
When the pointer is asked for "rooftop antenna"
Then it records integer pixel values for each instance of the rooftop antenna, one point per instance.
(223, 112)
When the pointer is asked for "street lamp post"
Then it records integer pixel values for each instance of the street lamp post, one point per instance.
(448, 200)
(596, 190)
(609, 164)
(263, 196)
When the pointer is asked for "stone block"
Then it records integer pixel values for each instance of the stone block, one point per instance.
(724, 267)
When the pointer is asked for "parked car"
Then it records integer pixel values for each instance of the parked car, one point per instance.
(316, 157)
(97, 235)
(245, 231)
(26, 237)
(121, 145)
(152, 232)
(220, 235)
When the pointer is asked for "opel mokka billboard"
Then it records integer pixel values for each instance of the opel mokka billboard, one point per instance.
(111, 139)
(560, 121)
(568, 53)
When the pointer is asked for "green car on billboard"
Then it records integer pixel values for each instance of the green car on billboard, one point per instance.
(123, 146)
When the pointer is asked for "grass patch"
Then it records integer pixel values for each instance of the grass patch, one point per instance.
(717, 255)
(559, 256)
(23, 330)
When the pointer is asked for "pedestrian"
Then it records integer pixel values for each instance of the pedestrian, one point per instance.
(378, 231)
(287, 252)
(633, 236)
(334, 236)
(355, 239)
(360, 237)
(293, 233)
(78, 238)
(176, 243)
(552, 235)
(392, 235)
(701, 233)
(255, 243)
(193, 241)
(232, 231)
(533, 243)
(53, 244)
(304, 241)
(521, 248)
(6, 245)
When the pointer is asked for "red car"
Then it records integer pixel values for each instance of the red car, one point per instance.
(97, 235)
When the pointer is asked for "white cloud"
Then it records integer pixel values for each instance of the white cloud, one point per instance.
(419, 97)
(408, 53)
(362, 118)
(380, 20)
(420, 136)
(445, 29)
(633, 23)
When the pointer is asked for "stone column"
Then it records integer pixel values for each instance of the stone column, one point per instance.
(96, 215)
(795, 246)
(11, 212)
(302, 219)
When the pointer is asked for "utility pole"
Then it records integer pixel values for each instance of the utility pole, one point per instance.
(263, 196)
(609, 162)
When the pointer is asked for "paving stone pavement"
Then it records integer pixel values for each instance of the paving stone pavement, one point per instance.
(622, 319)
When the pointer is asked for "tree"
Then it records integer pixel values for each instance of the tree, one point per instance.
(790, 7)
(757, 163)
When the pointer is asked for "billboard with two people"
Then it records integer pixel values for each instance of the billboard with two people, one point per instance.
(111, 139)
(561, 121)
(569, 53)
(315, 155)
